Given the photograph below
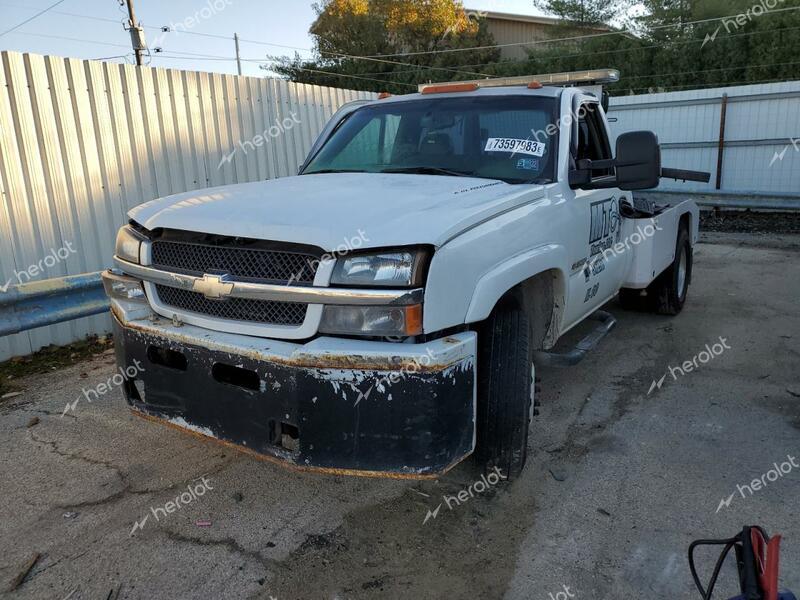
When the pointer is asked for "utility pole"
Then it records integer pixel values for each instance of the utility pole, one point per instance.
(137, 35)
(238, 58)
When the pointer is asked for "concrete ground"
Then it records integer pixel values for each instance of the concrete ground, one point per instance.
(619, 482)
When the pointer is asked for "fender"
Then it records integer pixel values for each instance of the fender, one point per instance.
(694, 222)
(510, 273)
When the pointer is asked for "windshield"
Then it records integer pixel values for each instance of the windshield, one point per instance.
(511, 138)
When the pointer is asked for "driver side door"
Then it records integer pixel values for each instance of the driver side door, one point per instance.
(598, 272)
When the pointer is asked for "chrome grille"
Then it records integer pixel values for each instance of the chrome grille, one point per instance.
(268, 266)
(237, 309)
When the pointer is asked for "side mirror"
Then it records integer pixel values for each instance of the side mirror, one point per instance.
(638, 160)
(637, 165)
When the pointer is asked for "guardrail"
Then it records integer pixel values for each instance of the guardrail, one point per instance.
(40, 303)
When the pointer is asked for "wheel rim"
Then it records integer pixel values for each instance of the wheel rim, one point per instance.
(682, 272)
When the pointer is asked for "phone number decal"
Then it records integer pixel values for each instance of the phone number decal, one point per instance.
(514, 145)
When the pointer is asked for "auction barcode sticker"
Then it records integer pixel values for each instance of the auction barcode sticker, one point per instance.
(514, 145)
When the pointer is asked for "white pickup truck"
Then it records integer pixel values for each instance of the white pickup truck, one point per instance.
(380, 313)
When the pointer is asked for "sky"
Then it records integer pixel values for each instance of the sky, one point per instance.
(92, 29)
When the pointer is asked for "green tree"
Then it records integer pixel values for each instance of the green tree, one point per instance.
(383, 29)
(673, 45)
(585, 12)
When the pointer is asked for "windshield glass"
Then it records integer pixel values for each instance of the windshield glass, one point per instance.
(492, 137)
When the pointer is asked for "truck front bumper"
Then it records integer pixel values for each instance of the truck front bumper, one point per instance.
(336, 405)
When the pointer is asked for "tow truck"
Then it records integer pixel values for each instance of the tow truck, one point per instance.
(491, 218)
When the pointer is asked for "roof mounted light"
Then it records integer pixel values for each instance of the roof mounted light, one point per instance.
(578, 78)
(449, 88)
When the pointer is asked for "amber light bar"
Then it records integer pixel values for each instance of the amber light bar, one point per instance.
(591, 77)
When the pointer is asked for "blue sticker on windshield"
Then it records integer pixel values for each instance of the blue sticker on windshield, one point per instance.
(528, 164)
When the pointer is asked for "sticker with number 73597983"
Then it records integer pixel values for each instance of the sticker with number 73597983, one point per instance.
(516, 146)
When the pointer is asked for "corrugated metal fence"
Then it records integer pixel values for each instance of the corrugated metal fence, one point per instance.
(747, 137)
(82, 142)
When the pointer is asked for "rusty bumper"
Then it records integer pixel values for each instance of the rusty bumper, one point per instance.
(344, 406)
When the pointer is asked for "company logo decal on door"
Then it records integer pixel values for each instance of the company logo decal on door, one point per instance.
(605, 225)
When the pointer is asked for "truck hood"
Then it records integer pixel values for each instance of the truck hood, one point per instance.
(329, 210)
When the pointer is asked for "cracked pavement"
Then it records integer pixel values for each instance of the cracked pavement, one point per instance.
(618, 484)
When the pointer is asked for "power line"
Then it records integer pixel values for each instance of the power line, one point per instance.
(367, 58)
(356, 77)
(572, 39)
(378, 58)
(39, 14)
(605, 52)
(296, 48)
(785, 64)
(363, 75)
(125, 56)
(71, 39)
(72, 14)
(169, 55)
(626, 78)
(697, 86)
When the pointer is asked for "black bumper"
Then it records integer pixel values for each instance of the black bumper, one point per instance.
(417, 423)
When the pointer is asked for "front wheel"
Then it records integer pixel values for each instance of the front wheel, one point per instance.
(505, 375)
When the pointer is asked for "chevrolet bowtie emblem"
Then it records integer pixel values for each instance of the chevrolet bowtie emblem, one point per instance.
(214, 287)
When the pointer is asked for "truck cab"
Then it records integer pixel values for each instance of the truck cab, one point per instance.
(382, 312)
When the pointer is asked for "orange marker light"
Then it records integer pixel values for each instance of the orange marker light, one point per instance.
(450, 88)
(384, 95)
(535, 85)
(413, 316)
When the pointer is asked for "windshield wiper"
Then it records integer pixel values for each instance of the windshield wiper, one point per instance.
(429, 171)
(325, 171)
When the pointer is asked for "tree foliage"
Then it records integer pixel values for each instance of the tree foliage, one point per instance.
(673, 45)
(585, 12)
(383, 28)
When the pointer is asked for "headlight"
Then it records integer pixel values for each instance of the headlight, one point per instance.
(129, 242)
(384, 321)
(403, 268)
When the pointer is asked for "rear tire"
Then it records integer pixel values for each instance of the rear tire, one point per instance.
(505, 373)
(669, 291)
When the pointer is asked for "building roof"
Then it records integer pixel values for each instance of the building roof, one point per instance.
(528, 19)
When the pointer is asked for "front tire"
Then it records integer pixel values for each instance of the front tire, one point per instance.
(505, 373)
